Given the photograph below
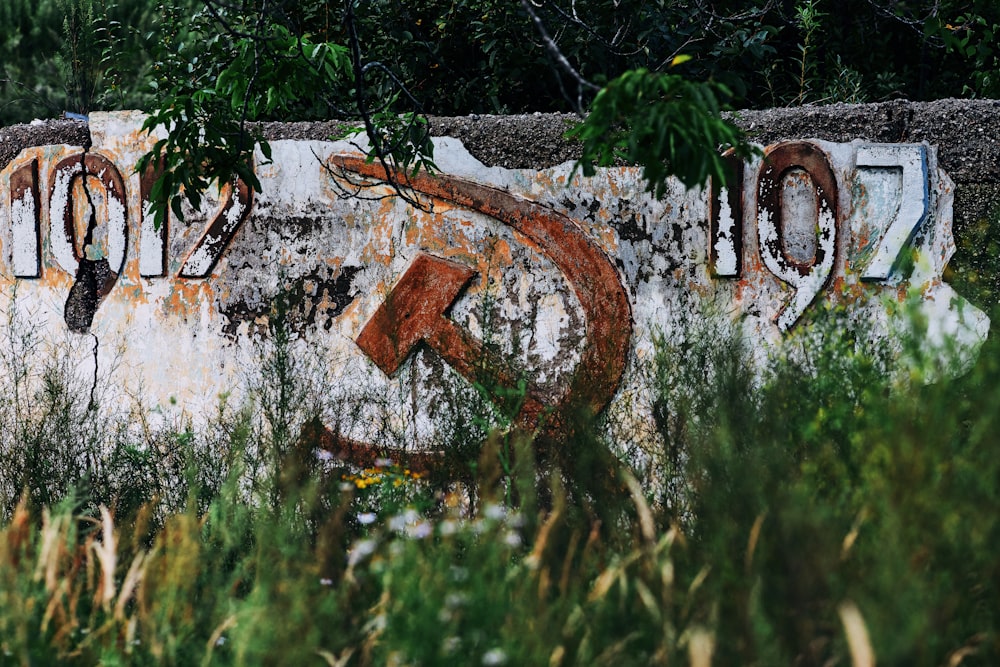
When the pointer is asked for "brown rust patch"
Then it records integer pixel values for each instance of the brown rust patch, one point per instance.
(184, 299)
(415, 312)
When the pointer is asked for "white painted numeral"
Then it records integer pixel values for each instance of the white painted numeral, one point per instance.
(913, 206)
(26, 246)
(213, 243)
(110, 238)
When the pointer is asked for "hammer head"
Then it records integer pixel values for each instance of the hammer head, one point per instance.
(413, 311)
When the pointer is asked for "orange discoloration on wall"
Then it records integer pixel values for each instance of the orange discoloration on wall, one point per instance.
(55, 278)
(185, 298)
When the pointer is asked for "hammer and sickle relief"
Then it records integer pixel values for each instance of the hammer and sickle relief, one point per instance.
(416, 308)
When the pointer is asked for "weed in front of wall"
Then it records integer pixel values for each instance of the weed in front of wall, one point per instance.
(386, 489)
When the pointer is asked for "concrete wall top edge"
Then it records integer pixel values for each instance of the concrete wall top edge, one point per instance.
(16, 138)
(967, 132)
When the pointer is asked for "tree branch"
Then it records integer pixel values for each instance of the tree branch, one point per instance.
(553, 49)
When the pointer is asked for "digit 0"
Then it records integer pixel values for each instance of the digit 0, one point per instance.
(66, 240)
(797, 222)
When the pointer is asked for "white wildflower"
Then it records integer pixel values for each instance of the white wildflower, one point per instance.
(400, 522)
(495, 656)
(361, 550)
(419, 530)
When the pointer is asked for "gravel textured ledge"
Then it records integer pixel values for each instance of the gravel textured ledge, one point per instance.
(16, 138)
(516, 142)
(966, 132)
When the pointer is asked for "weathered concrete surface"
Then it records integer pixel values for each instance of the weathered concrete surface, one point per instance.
(965, 132)
(510, 274)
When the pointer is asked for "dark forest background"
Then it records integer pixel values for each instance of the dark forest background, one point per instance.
(458, 57)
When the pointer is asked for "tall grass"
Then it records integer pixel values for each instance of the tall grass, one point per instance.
(819, 512)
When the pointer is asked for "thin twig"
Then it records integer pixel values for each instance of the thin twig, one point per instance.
(553, 49)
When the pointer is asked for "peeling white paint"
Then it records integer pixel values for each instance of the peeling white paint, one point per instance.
(726, 262)
(151, 247)
(117, 231)
(24, 235)
(59, 237)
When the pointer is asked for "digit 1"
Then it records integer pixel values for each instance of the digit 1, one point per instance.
(152, 241)
(786, 166)
(25, 217)
(914, 204)
(725, 215)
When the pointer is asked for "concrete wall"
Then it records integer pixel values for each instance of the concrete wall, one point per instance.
(503, 268)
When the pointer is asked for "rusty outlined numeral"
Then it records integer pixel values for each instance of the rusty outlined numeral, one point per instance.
(213, 243)
(66, 246)
(25, 219)
(807, 276)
